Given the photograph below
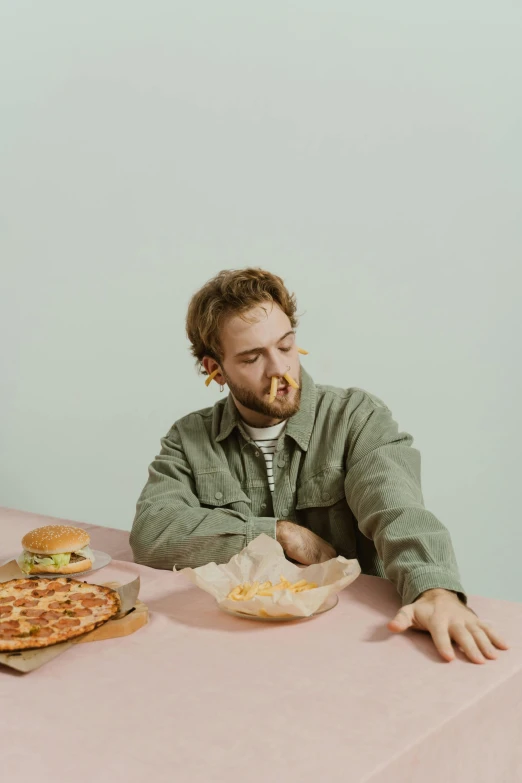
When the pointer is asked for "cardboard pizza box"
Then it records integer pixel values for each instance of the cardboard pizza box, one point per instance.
(133, 615)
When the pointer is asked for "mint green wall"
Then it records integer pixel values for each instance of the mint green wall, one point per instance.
(370, 153)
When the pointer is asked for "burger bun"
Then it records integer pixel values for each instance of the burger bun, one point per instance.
(56, 540)
(70, 568)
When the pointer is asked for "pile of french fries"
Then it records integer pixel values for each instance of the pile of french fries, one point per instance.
(246, 591)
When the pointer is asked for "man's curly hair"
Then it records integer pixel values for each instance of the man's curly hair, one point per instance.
(231, 292)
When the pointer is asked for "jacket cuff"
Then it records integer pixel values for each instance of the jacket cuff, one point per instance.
(423, 579)
(257, 525)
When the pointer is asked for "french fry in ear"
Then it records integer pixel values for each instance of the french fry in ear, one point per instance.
(273, 388)
(288, 378)
(302, 350)
(211, 377)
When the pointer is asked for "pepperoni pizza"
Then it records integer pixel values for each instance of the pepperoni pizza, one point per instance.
(41, 612)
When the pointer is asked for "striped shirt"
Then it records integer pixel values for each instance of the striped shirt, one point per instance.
(266, 438)
(341, 468)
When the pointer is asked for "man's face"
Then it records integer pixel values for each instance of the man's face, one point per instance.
(254, 351)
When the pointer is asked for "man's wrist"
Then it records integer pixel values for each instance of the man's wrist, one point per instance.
(434, 591)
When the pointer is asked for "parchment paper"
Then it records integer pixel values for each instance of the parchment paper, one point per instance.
(264, 560)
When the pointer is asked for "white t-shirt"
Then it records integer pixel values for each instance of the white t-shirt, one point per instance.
(266, 439)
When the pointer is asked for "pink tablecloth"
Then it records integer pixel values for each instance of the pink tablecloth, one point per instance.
(197, 695)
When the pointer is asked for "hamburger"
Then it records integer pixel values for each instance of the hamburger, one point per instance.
(56, 549)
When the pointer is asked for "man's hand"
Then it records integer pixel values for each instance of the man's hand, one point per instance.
(302, 545)
(444, 616)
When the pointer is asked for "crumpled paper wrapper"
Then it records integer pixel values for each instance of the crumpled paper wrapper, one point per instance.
(262, 560)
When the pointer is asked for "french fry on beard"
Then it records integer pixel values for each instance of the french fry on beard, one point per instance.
(211, 377)
(288, 378)
(273, 388)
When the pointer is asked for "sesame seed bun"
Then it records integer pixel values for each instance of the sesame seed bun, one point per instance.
(55, 540)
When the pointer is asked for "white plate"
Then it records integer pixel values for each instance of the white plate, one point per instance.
(330, 603)
(101, 559)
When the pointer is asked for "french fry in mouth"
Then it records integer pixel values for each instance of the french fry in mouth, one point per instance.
(288, 378)
(302, 350)
(273, 388)
(211, 377)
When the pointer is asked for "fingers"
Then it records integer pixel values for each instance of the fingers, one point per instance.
(497, 640)
(442, 640)
(483, 643)
(402, 620)
(467, 643)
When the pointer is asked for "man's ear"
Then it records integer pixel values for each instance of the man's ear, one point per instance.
(210, 366)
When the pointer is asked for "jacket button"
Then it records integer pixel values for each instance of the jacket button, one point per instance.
(284, 512)
(263, 506)
(219, 495)
(256, 454)
(326, 496)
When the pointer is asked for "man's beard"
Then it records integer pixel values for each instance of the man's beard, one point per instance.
(281, 408)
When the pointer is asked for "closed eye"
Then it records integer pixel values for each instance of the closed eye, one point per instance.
(251, 361)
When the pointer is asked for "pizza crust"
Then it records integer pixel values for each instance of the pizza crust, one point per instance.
(55, 591)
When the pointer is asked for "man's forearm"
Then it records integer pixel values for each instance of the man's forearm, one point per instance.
(417, 553)
(383, 489)
(164, 536)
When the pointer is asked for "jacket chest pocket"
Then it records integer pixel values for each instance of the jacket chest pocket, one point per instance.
(220, 489)
(323, 509)
(321, 490)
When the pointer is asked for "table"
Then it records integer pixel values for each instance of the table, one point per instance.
(198, 695)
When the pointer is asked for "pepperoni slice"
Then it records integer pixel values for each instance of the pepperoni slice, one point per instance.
(89, 602)
(57, 605)
(49, 592)
(79, 596)
(43, 632)
(60, 588)
(80, 612)
(39, 593)
(67, 622)
(26, 602)
(51, 616)
(10, 624)
(5, 610)
(8, 599)
(32, 612)
(25, 585)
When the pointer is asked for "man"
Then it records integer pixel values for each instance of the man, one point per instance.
(323, 470)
